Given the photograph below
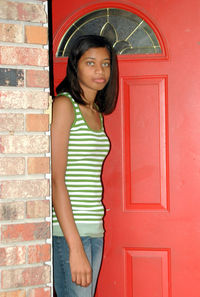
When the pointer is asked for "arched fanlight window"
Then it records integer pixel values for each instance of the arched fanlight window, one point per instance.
(128, 33)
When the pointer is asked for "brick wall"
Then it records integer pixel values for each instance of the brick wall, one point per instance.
(25, 222)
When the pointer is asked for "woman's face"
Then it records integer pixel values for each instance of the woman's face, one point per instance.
(94, 70)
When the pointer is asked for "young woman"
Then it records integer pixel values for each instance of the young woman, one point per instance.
(79, 147)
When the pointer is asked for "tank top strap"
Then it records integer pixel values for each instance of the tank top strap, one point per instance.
(68, 95)
(75, 105)
(77, 111)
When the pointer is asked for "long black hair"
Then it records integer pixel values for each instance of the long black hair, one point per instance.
(107, 97)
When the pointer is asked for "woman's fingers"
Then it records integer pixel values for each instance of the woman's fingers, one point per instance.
(89, 278)
(79, 279)
(82, 279)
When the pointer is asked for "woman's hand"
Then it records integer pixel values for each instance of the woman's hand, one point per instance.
(81, 271)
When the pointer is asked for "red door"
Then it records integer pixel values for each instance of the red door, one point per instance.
(151, 177)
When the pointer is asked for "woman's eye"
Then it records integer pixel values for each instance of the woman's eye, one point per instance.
(90, 63)
(106, 64)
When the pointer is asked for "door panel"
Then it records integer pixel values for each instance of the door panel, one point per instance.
(151, 176)
(147, 272)
(145, 142)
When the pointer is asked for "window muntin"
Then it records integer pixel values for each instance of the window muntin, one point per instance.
(128, 33)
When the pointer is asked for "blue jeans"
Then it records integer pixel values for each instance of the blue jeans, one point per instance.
(63, 284)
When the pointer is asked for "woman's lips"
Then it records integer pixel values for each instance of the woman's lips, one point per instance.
(100, 80)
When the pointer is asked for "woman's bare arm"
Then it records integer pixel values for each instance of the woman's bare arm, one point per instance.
(63, 116)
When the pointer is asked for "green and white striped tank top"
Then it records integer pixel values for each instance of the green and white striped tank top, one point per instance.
(87, 150)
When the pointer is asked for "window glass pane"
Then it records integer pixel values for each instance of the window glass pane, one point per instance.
(128, 33)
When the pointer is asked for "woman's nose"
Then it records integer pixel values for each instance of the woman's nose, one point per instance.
(99, 69)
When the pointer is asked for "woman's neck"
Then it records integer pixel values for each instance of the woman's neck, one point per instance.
(89, 99)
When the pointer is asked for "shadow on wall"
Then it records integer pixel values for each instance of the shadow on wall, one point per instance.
(54, 293)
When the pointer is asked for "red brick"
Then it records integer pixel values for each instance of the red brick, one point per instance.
(12, 211)
(12, 166)
(24, 144)
(23, 56)
(11, 33)
(36, 34)
(37, 78)
(38, 209)
(31, 12)
(25, 232)
(8, 10)
(24, 188)
(25, 277)
(22, 12)
(23, 99)
(37, 122)
(18, 293)
(13, 255)
(39, 292)
(11, 122)
(38, 165)
(39, 253)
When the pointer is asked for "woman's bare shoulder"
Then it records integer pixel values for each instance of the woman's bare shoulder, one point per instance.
(62, 100)
(63, 108)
